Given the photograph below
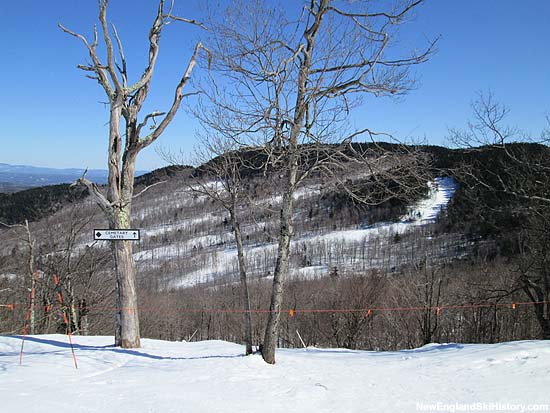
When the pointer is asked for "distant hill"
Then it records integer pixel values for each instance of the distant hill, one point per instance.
(473, 210)
(18, 203)
(36, 203)
(164, 174)
(18, 177)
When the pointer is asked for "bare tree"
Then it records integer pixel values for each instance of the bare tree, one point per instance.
(292, 75)
(534, 273)
(125, 142)
(30, 243)
(517, 175)
(488, 131)
(221, 161)
(75, 265)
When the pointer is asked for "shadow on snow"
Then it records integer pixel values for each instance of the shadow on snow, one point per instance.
(113, 349)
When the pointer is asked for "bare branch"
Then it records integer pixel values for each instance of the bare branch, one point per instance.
(141, 88)
(147, 188)
(12, 226)
(97, 67)
(109, 45)
(152, 116)
(146, 141)
(94, 190)
(182, 19)
(123, 70)
(393, 17)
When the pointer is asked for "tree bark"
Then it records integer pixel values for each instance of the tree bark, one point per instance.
(540, 306)
(247, 316)
(83, 318)
(127, 319)
(279, 277)
(126, 277)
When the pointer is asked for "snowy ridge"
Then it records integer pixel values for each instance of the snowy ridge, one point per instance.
(214, 376)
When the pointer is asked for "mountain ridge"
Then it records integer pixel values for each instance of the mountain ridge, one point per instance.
(343, 255)
(19, 177)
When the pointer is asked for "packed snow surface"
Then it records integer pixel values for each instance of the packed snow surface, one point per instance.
(214, 376)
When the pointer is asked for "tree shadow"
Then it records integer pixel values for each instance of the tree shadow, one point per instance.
(113, 349)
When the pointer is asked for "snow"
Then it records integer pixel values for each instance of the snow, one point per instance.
(441, 192)
(423, 212)
(9, 276)
(185, 224)
(174, 250)
(300, 193)
(214, 376)
(221, 262)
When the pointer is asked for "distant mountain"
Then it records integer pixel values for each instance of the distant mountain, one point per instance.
(18, 177)
(18, 204)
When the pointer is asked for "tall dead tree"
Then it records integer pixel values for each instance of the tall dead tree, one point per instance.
(292, 75)
(127, 137)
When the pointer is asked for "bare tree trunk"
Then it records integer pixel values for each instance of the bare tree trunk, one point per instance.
(127, 318)
(230, 194)
(83, 319)
(118, 309)
(247, 316)
(536, 295)
(34, 277)
(74, 322)
(279, 276)
(126, 277)
(545, 330)
(33, 301)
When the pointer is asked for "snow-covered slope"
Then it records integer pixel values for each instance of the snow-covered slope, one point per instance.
(335, 242)
(213, 376)
(186, 239)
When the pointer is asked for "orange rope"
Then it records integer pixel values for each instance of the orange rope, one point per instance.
(292, 312)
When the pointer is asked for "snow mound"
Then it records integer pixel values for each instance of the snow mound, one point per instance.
(214, 376)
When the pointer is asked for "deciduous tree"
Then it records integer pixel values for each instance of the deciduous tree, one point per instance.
(517, 175)
(290, 74)
(129, 134)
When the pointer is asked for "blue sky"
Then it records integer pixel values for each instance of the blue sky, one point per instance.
(51, 115)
